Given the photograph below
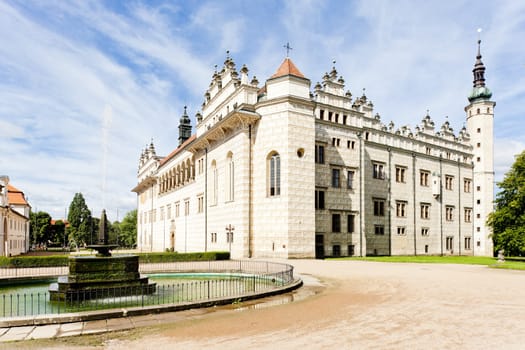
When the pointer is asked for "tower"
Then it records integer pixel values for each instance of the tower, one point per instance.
(184, 127)
(480, 125)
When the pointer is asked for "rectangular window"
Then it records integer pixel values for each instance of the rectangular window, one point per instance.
(468, 215)
(336, 223)
(162, 213)
(400, 174)
(336, 250)
(428, 150)
(319, 154)
(378, 171)
(450, 243)
(424, 231)
(336, 178)
(401, 231)
(379, 229)
(350, 144)
(449, 213)
(401, 209)
(168, 211)
(344, 118)
(379, 207)
(319, 199)
(449, 182)
(467, 183)
(177, 209)
(425, 211)
(423, 178)
(330, 114)
(350, 179)
(321, 114)
(351, 250)
(275, 175)
(187, 207)
(200, 203)
(350, 223)
(468, 242)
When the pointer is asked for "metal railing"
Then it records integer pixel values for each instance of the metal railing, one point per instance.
(226, 279)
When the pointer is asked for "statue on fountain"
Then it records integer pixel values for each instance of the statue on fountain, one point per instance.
(102, 247)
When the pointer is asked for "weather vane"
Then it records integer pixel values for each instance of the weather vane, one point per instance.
(288, 48)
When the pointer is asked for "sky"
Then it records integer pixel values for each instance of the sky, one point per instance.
(86, 85)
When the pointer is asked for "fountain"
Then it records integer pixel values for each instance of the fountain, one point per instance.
(102, 275)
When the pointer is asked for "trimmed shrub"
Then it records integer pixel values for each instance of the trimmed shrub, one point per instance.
(172, 257)
(34, 261)
(63, 260)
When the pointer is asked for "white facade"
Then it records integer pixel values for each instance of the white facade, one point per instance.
(281, 171)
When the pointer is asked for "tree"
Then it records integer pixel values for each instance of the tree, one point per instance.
(40, 227)
(508, 219)
(80, 220)
(57, 232)
(128, 230)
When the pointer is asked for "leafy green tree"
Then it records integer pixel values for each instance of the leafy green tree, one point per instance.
(128, 230)
(114, 233)
(80, 220)
(40, 229)
(58, 232)
(508, 220)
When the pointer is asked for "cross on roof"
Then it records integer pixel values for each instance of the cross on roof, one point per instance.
(288, 48)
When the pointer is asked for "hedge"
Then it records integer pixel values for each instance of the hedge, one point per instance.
(34, 261)
(171, 257)
(63, 260)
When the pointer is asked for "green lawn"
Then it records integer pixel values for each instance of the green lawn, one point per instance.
(471, 260)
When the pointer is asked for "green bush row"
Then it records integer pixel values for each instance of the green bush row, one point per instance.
(62, 260)
(34, 261)
(171, 257)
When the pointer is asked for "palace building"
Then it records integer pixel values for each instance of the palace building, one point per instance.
(288, 171)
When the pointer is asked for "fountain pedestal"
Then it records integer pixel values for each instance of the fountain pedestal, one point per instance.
(101, 276)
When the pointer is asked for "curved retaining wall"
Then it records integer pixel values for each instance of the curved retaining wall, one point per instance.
(282, 274)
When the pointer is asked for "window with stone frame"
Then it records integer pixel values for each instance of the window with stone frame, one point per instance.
(425, 211)
(336, 178)
(424, 176)
(319, 199)
(274, 173)
(449, 213)
(468, 214)
(350, 223)
(319, 154)
(379, 207)
(336, 222)
(379, 229)
(449, 182)
(400, 174)
(467, 185)
(378, 171)
(401, 209)
(350, 179)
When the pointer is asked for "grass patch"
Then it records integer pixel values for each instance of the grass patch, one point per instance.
(432, 259)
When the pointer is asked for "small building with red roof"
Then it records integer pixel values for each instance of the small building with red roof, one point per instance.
(14, 219)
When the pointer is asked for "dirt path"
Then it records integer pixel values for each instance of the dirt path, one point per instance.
(366, 305)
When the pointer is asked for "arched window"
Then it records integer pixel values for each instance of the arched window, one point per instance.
(230, 177)
(274, 174)
(214, 183)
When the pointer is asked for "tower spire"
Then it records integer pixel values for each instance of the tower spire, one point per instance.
(479, 91)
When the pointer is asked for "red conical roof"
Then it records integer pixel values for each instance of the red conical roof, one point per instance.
(287, 68)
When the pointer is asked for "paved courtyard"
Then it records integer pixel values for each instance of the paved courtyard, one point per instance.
(358, 305)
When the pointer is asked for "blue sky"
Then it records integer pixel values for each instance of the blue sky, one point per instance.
(85, 85)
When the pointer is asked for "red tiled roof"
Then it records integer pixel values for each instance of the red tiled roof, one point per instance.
(287, 68)
(15, 196)
(178, 149)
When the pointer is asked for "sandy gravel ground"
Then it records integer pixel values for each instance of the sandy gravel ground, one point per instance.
(366, 305)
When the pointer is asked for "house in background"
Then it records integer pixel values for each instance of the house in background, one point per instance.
(14, 219)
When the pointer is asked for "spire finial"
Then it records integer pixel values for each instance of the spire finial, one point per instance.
(185, 107)
(227, 54)
(288, 48)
